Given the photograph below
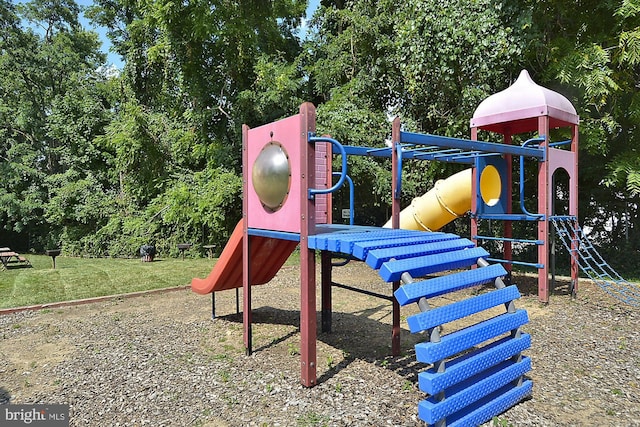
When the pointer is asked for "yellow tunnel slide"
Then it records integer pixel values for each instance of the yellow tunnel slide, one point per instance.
(447, 200)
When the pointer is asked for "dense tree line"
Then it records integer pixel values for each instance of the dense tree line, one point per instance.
(101, 161)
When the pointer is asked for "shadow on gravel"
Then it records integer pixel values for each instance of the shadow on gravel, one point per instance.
(528, 285)
(5, 396)
(356, 334)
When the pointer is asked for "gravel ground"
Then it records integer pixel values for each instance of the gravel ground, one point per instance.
(160, 360)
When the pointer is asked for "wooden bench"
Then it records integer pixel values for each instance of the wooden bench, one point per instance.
(9, 257)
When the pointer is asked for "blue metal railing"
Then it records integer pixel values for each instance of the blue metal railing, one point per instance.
(351, 197)
(522, 206)
(343, 172)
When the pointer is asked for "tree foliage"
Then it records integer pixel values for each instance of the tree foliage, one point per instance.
(592, 51)
(103, 161)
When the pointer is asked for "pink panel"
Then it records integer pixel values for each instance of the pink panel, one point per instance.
(564, 159)
(287, 132)
(561, 159)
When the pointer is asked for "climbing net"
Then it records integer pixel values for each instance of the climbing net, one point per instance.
(592, 263)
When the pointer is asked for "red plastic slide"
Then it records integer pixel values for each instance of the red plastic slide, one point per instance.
(267, 256)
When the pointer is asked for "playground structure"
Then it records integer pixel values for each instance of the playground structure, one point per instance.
(478, 371)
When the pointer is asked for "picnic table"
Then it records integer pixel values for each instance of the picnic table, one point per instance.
(9, 257)
(209, 249)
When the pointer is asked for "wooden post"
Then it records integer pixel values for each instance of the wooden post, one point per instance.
(246, 274)
(395, 223)
(573, 207)
(474, 193)
(325, 279)
(543, 208)
(508, 225)
(307, 256)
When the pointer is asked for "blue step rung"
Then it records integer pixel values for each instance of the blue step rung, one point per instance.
(334, 241)
(464, 339)
(361, 249)
(376, 257)
(467, 365)
(430, 288)
(392, 270)
(473, 389)
(457, 310)
(494, 404)
(344, 242)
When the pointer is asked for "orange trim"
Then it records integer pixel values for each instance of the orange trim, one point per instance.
(267, 256)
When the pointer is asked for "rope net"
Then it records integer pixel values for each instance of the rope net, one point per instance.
(592, 263)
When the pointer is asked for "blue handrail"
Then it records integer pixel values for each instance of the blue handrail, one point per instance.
(559, 143)
(343, 173)
(524, 210)
(351, 197)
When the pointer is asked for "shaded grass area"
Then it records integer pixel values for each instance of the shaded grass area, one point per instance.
(77, 278)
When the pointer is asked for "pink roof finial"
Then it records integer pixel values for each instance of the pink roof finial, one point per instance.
(516, 109)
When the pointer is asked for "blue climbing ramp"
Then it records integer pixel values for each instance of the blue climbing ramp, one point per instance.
(475, 371)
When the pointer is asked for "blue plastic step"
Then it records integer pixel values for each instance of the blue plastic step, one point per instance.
(494, 404)
(457, 310)
(343, 242)
(392, 270)
(361, 249)
(376, 257)
(467, 365)
(472, 390)
(430, 288)
(455, 342)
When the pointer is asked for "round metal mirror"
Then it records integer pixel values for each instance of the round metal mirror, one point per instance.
(271, 176)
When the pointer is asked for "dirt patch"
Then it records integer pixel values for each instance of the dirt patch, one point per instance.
(161, 360)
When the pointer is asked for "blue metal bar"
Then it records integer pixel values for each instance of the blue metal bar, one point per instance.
(351, 200)
(563, 218)
(467, 144)
(372, 151)
(462, 154)
(522, 206)
(353, 150)
(531, 141)
(282, 235)
(462, 157)
(506, 261)
(559, 143)
(423, 148)
(508, 217)
(507, 239)
(343, 173)
(449, 158)
(442, 152)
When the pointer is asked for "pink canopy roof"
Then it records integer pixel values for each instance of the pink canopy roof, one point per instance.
(517, 108)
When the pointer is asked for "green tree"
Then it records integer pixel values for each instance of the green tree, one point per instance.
(431, 63)
(42, 68)
(194, 59)
(593, 51)
(180, 108)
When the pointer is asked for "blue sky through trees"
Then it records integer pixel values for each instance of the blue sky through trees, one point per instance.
(115, 59)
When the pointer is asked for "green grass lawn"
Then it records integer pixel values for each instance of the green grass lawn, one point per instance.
(77, 278)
